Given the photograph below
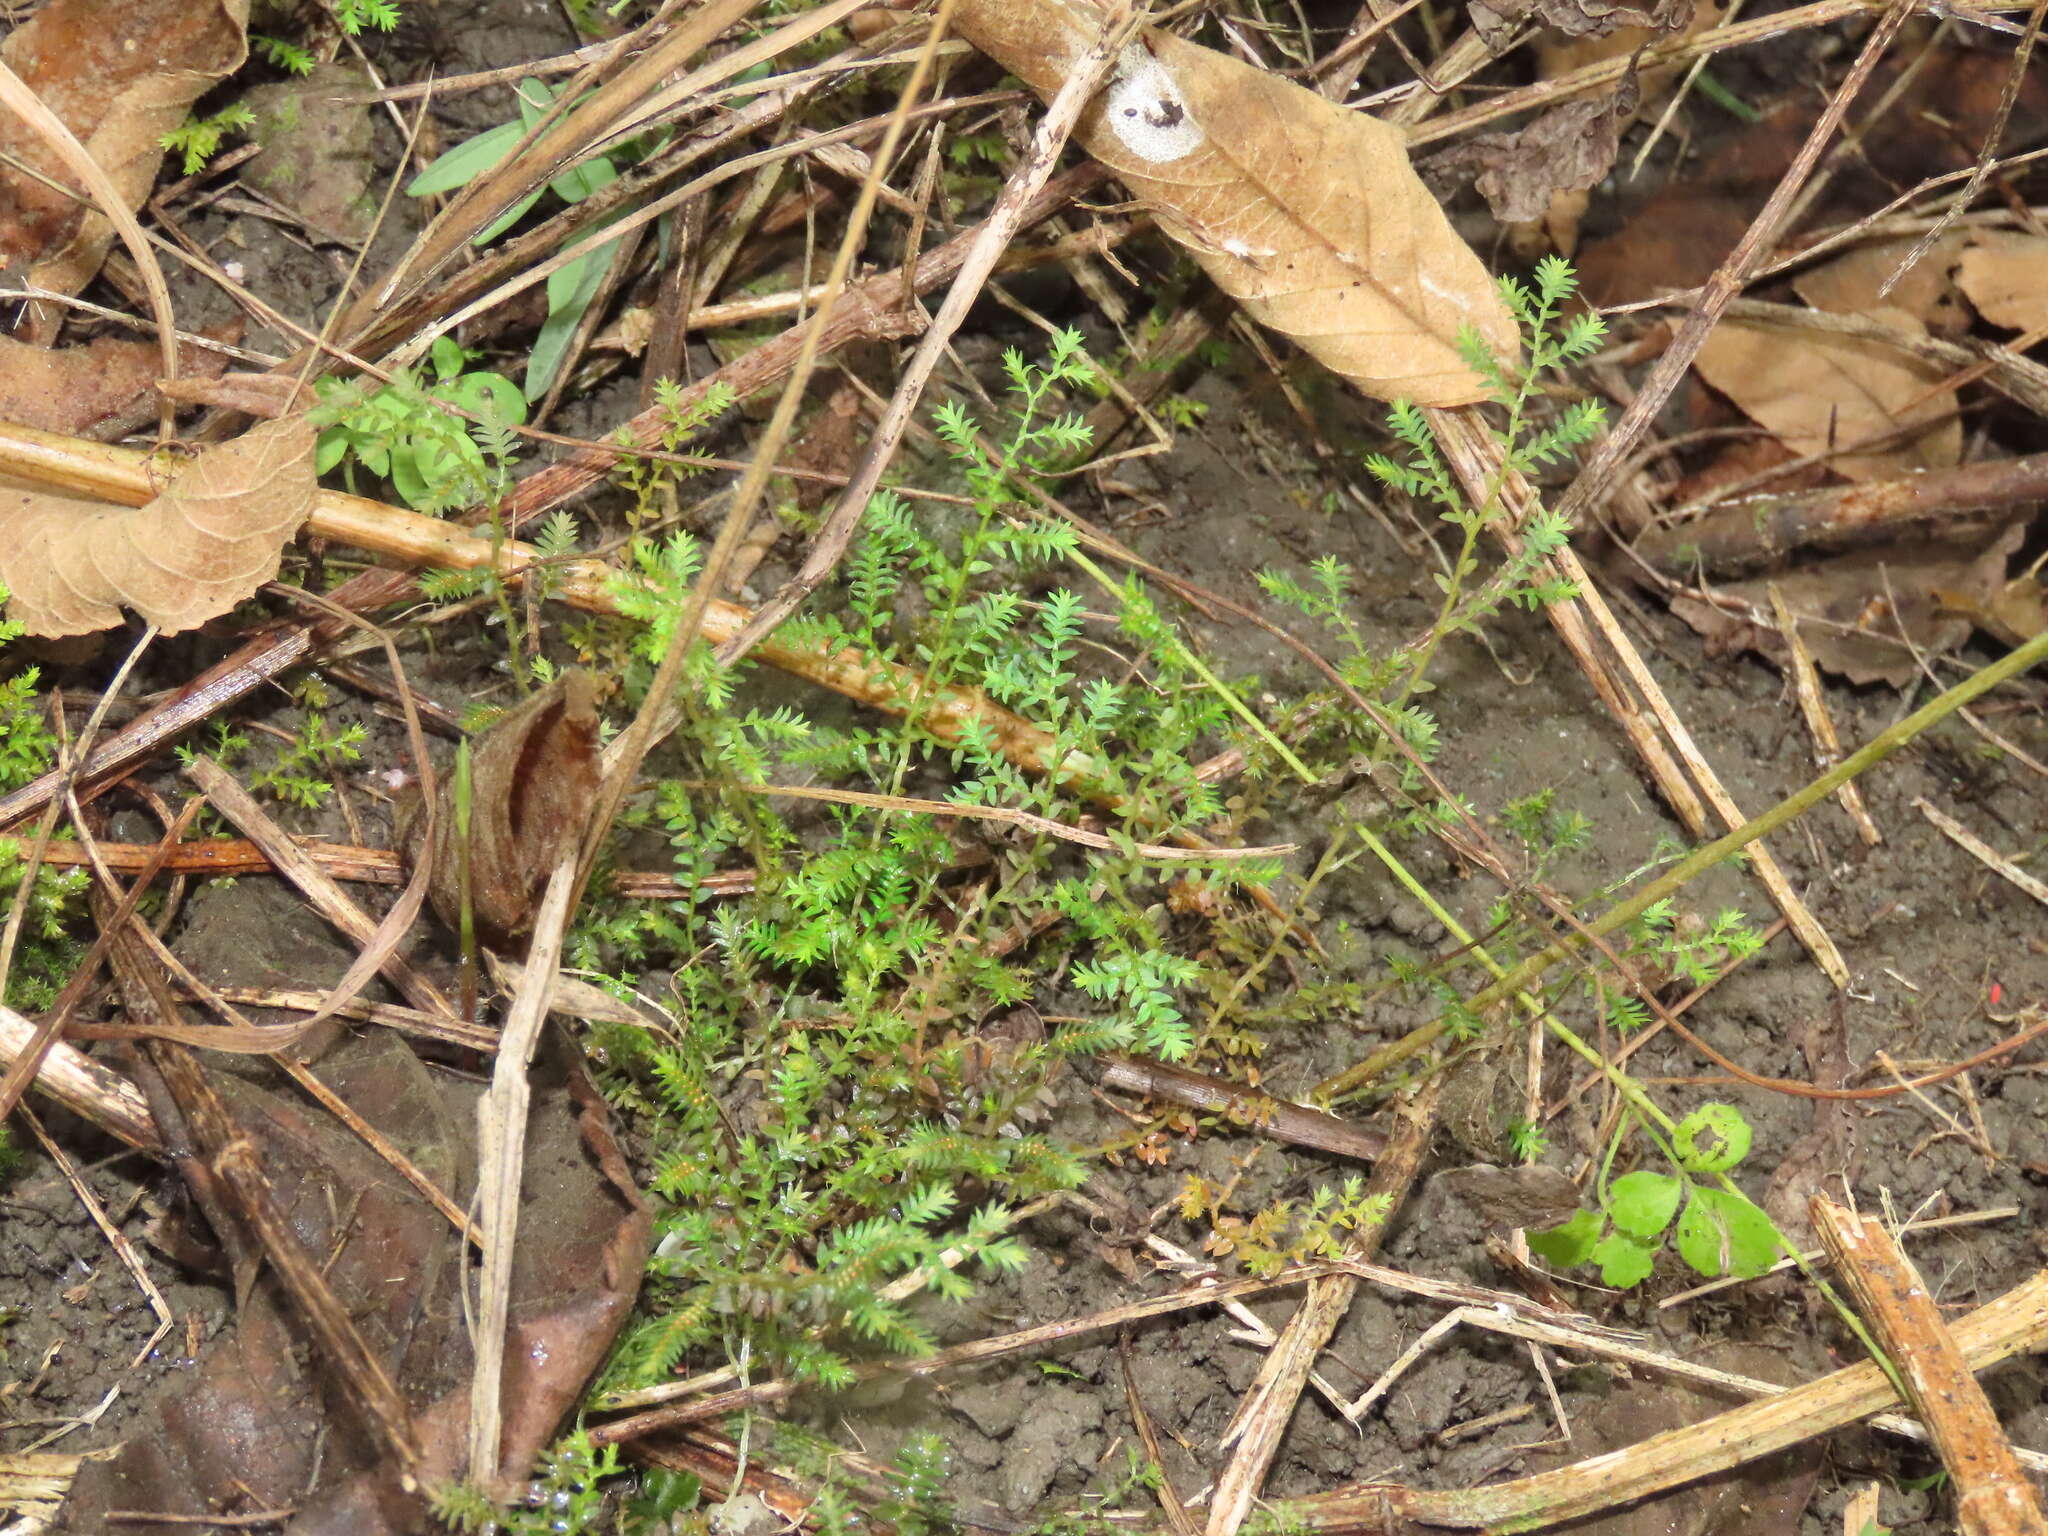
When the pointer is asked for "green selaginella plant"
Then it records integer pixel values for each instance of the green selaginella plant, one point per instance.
(826, 1118)
(45, 951)
(1709, 1222)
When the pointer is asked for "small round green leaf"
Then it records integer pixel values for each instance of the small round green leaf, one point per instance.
(1642, 1204)
(1624, 1261)
(1752, 1241)
(1569, 1244)
(1712, 1139)
(1700, 1238)
(664, 1493)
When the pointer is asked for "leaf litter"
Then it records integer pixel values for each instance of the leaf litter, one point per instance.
(1310, 216)
(120, 77)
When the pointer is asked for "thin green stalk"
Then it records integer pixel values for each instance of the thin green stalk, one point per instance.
(1416, 1041)
(465, 801)
(1796, 804)
(1222, 690)
(505, 614)
(1454, 587)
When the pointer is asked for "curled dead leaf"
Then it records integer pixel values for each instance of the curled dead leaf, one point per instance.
(214, 536)
(1820, 392)
(1307, 214)
(251, 1425)
(533, 777)
(1857, 612)
(1567, 149)
(120, 75)
(1558, 54)
(1496, 21)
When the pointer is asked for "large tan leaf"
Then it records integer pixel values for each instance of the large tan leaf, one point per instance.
(1309, 215)
(2006, 277)
(1819, 392)
(211, 539)
(1849, 284)
(120, 73)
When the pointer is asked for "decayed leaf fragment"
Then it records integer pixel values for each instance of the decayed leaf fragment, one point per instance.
(120, 75)
(208, 541)
(1309, 215)
(533, 777)
(1862, 604)
(1566, 149)
(87, 390)
(1496, 21)
(1819, 392)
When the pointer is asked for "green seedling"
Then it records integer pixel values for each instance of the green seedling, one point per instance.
(280, 53)
(44, 953)
(356, 16)
(1425, 477)
(415, 434)
(465, 800)
(1718, 1230)
(568, 1497)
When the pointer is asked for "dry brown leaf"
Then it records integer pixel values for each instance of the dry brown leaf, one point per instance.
(120, 75)
(1818, 392)
(251, 1425)
(2014, 614)
(1496, 21)
(2006, 276)
(1853, 609)
(73, 390)
(533, 776)
(208, 541)
(1559, 55)
(1677, 238)
(1504, 1199)
(316, 156)
(1849, 284)
(1307, 214)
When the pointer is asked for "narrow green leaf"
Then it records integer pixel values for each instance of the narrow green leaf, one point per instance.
(468, 160)
(570, 291)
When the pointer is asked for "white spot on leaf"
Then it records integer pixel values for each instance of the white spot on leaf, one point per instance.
(1146, 112)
